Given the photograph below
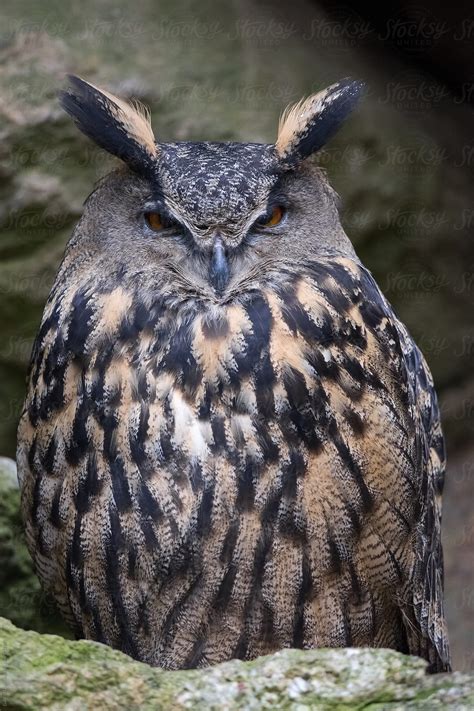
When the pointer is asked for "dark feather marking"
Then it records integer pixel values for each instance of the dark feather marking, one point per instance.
(180, 361)
(248, 473)
(205, 404)
(78, 445)
(295, 468)
(54, 514)
(401, 644)
(113, 396)
(138, 439)
(149, 506)
(353, 392)
(335, 560)
(269, 448)
(305, 592)
(32, 455)
(346, 621)
(141, 393)
(79, 324)
(298, 320)
(143, 624)
(372, 313)
(336, 297)
(264, 380)
(109, 424)
(151, 541)
(120, 487)
(196, 475)
(35, 500)
(53, 399)
(355, 335)
(77, 556)
(196, 653)
(268, 623)
(324, 368)
(33, 411)
(204, 516)
(348, 459)
(271, 507)
(355, 370)
(396, 565)
(51, 322)
(355, 421)
(166, 446)
(229, 541)
(55, 360)
(88, 487)
(301, 413)
(114, 545)
(224, 592)
(99, 635)
(218, 433)
(262, 550)
(132, 562)
(260, 316)
(134, 322)
(70, 577)
(320, 407)
(98, 394)
(49, 455)
(240, 649)
(83, 601)
(408, 524)
(354, 517)
(175, 613)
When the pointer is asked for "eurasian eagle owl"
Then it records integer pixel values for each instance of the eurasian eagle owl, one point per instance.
(229, 444)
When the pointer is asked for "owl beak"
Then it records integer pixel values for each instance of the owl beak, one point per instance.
(219, 267)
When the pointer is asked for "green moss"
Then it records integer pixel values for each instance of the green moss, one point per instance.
(47, 672)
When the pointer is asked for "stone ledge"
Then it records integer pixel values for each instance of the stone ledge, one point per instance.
(48, 672)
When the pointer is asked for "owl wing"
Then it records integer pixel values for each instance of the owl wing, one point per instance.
(420, 598)
(423, 603)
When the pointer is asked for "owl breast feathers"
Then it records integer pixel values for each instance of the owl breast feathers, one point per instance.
(224, 459)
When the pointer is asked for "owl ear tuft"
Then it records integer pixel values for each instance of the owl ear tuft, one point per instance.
(116, 126)
(307, 125)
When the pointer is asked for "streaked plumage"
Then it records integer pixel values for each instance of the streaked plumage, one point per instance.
(221, 469)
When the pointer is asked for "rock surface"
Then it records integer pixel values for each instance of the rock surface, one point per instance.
(48, 672)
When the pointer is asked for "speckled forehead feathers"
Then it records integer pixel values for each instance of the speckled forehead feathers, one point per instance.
(216, 181)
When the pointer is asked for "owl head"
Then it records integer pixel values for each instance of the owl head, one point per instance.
(207, 219)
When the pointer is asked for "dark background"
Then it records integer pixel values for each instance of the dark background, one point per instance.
(402, 165)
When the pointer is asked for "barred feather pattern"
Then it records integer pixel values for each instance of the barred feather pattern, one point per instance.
(209, 481)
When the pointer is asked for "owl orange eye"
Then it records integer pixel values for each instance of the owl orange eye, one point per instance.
(273, 218)
(154, 220)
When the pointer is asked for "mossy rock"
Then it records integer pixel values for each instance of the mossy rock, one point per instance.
(48, 672)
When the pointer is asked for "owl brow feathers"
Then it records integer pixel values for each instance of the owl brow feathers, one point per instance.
(307, 125)
(116, 126)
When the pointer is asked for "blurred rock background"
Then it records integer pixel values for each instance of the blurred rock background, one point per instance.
(402, 165)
